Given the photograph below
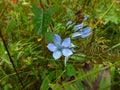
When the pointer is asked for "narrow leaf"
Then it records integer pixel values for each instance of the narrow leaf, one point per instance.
(41, 20)
(70, 70)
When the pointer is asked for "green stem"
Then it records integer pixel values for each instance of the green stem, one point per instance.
(107, 11)
(104, 14)
(57, 80)
(94, 72)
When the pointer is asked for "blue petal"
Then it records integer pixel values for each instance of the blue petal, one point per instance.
(85, 35)
(67, 52)
(78, 27)
(69, 23)
(76, 35)
(85, 18)
(57, 39)
(57, 54)
(51, 47)
(86, 30)
(66, 42)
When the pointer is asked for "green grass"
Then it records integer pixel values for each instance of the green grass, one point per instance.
(27, 29)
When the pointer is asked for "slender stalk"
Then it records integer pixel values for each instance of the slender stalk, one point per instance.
(107, 11)
(86, 3)
(3, 2)
(10, 58)
(93, 4)
(93, 72)
(48, 2)
(44, 45)
(104, 14)
(41, 5)
(4, 9)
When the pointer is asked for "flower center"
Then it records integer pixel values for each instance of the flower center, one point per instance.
(59, 47)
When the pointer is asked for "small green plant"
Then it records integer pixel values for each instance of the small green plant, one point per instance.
(34, 57)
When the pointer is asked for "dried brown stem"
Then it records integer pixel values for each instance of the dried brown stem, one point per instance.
(4, 9)
(41, 4)
(48, 2)
(11, 60)
(3, 2)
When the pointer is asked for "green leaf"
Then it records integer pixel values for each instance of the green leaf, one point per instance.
(45, 85)
(37, 20)
(46, 19)
(105, 81)
(11, 25)
(49, 37)
(79, 57)
(116, 45)
(112, 72)
(55, 87)
(70, 70)
(46, 81)
(79, 85)
(68, 87)
(41, 20)
(7, 87)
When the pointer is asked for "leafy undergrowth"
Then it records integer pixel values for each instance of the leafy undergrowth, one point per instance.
(60, 45)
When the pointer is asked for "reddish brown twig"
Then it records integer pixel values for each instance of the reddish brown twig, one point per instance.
(3, 2)
(48, 2)
(4, 9)
(41, 5)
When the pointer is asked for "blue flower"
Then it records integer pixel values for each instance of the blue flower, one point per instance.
(82, 33)
(69, 23)
(60, 48)
(85, 18)
(78, 27)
